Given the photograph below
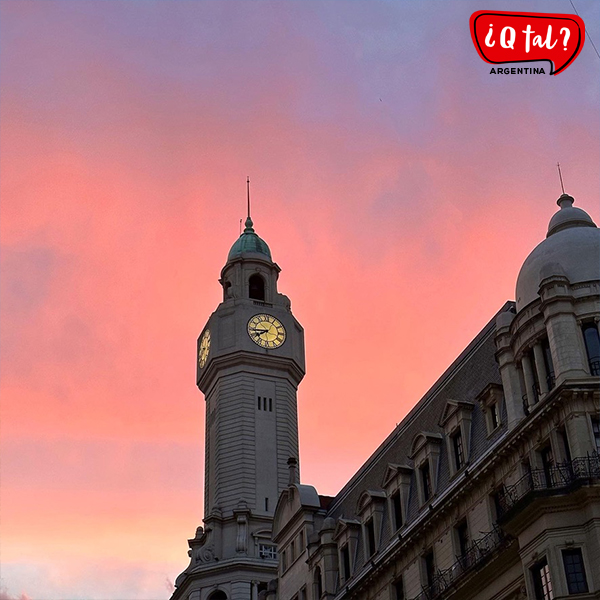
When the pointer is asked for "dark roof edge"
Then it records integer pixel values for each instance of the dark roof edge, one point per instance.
(455, 366)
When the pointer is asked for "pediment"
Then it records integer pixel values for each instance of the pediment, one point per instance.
(343, 525)
(369, 496)
(491, 392)
(422, 439)
(393, 470)
(452, 407)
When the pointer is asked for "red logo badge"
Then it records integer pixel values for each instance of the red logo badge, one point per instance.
(514, 37)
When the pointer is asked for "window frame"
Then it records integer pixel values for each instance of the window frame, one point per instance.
(543, 588)
(575, 552)
(397, 591)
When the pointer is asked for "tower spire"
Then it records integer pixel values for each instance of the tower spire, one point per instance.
(248, 193)
(249, 222)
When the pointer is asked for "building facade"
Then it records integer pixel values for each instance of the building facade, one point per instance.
(489, 489)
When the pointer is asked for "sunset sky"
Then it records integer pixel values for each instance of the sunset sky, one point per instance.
(398, 183)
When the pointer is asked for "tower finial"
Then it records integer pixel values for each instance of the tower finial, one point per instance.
(561, 179)
(248, 192)
(249, 222)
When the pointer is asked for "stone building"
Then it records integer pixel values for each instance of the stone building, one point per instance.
(488, 489)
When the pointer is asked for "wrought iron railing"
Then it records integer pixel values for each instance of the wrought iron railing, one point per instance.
(478, 552)
(555, 477)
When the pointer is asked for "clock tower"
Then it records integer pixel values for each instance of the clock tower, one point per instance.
(249, 363)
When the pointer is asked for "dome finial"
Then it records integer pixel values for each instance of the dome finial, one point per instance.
(565, 201)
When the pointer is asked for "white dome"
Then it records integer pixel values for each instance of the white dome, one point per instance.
(571, 249)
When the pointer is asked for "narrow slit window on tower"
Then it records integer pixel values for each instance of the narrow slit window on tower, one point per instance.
(265, 403)
(256, 287)
(270, 404)
(259, 403)
(266, 504)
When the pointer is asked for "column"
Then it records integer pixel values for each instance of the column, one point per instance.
(529, 380)
(508, 370)
(540, 367)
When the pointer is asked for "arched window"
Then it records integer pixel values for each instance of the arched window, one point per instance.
(218, 595)
(318, 583)
(256, 285)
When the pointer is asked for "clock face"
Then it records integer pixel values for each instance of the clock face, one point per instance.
(266, 331)
(204, 348)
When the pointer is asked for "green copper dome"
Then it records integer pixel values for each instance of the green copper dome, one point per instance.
(249, 242)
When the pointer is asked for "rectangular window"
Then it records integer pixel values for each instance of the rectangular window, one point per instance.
(283, 561)
(459, 453)
(462, 538)
(270, 404)
(547, 464)
(301, 541)
(267, 504)
(370, 530)
(425, 480)
(398, 590)
(596, 430)
(346, 562)
(397, 509)
(575, 571)
(267, 551)
(292, 552)
(265, 403)
(495, 415)
(259, 399)
(429, 569)
(562, 434)
(496, 505)
(542, 584)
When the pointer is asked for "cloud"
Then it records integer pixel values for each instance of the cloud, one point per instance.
(4, 595)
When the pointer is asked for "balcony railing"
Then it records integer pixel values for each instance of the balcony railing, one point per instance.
(261, 303)
(476, 555)
(556, 477)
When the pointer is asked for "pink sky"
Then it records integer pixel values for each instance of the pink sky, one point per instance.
(399, 185)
